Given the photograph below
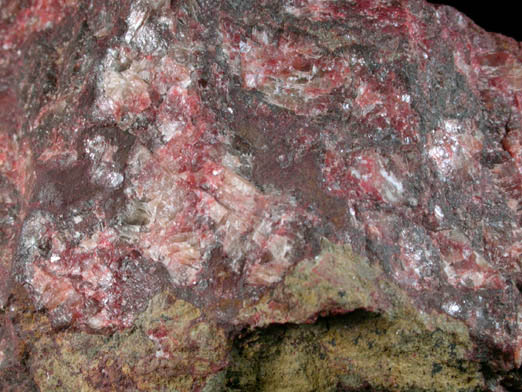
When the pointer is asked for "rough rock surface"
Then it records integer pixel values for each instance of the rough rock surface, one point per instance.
(236, 195)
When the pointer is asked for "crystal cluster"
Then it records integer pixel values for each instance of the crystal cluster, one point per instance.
(232, 152)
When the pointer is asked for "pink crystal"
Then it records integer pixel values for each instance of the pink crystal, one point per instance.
(148, 145)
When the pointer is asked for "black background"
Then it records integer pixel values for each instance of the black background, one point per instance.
(499, 16)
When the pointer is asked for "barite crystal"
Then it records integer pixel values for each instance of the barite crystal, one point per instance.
(173, 173)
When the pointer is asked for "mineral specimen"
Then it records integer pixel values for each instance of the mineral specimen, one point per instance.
(226, 195)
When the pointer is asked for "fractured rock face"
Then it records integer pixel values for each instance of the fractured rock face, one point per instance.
(257, 163)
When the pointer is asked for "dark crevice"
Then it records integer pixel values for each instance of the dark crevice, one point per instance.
(510, 381)
(358, 351)
(259, 356)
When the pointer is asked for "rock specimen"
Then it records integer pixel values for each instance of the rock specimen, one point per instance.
(236, 195)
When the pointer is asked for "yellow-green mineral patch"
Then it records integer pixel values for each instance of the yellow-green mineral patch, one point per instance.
(359, 350)
(171, 347)
(392, 348)
(368, 336)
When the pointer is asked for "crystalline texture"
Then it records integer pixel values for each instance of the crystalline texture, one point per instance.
(213, 148)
